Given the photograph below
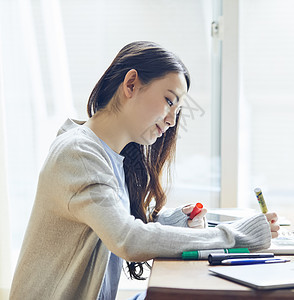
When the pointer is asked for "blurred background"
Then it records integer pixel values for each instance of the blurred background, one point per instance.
(237, 130)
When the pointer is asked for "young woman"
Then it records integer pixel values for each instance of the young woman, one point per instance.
(99, 197)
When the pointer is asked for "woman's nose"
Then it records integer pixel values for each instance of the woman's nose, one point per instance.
(170, 119)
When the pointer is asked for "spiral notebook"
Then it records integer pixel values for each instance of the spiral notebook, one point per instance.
(261, 276)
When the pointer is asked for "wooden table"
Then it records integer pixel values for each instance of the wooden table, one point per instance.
(176, 279)
(182, 280)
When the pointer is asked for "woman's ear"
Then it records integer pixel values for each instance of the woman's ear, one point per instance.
(130, 82)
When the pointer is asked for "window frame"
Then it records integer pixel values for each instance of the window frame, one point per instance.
(229, 104)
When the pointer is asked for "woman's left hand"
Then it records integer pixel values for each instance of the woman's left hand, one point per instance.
(199, 221)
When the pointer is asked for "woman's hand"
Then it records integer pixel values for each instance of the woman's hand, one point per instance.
(272, 219)
(199, 221)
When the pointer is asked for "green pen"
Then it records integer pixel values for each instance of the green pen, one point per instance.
(203, 254)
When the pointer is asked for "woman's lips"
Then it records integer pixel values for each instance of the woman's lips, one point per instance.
(160, 132)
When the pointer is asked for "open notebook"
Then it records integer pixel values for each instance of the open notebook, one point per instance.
(263, 276)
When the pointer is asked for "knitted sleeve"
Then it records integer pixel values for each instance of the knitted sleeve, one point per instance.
(250, 232)
(246, 231)
(173, 217)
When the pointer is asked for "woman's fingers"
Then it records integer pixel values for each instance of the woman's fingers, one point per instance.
(272, 218)
(188, 209)
(202, 214)
(274, 229)
(199, 220)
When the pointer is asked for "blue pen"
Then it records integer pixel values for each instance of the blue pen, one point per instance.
(253, 261)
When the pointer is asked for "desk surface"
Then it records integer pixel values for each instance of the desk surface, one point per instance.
(174, 279)
(177, 279)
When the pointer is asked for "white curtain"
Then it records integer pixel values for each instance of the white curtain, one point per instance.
(36, 94)
(5, 257)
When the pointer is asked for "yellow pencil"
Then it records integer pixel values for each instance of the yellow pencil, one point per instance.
(260, 199)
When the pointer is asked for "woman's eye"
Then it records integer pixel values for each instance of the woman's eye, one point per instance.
(169, 102)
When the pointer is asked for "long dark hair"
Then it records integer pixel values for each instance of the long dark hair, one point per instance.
(143, 164)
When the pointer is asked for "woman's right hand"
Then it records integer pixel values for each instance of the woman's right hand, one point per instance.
(272, 218)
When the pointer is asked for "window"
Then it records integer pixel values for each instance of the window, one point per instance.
(183, 28)
(266, 102)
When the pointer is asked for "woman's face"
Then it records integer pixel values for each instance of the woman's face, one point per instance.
(156, 107)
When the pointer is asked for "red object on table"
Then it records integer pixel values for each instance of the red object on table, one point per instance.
(196, 210)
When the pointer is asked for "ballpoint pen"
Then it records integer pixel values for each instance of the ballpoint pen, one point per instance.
(253, 261)
(217, 258)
